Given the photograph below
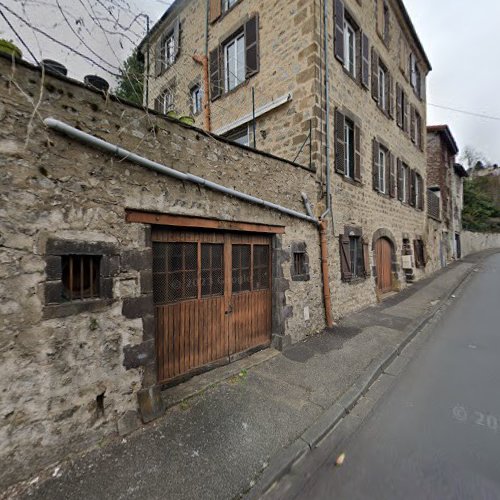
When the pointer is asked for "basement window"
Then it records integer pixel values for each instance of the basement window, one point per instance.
(80, 276)
(300, 262)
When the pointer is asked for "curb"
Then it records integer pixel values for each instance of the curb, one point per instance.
(285, 459)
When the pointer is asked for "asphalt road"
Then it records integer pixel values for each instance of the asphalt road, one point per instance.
(435, 433)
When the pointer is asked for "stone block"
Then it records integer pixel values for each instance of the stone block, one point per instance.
(137, 260)
(146, 281)
(53, 292)
(53, 268)
(138, 355)
(148, 327)
(151, 405)
(138, 307)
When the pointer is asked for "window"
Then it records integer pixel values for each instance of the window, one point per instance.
(300, 262)
(417, 139)
(356, 253)
(175, 272)
(386, 27)
(350, 48)
(382, 166)
(261, 267)
(349, 148)
(382, 98)
(419, 192)
(415, 75)
(196, 100)
(212, 270)
(234, 62)
(165, 102)
(383, 20)
(169, 50)
(80, 276)
(240, 135)
(401, 108)
(227, 4)
(241, 268)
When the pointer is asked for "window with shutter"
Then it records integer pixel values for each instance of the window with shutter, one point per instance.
(399, 105)
(390, 95)
(406, 113)
(357, 153)
(399, 169)
(354, 254)
(382, 169)
(392, 177)
(339, 142)
(413, 182)
(215, 10)
(349, 138)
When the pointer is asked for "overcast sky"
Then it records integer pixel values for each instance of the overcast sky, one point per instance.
(460, 41)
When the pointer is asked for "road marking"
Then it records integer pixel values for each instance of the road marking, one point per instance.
(475, 417)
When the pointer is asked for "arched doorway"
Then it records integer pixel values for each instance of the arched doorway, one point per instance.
(383, 256)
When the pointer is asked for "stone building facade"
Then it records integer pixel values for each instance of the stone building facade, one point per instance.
(445, 178)
(364, 123)
(80, 361)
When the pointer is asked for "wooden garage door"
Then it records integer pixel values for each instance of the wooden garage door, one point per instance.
(212, 295)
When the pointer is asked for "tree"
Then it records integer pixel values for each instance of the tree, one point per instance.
(480, 212)
(471, 156)
(131, 82)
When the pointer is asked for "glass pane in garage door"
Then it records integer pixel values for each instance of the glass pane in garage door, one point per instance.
(241, 268)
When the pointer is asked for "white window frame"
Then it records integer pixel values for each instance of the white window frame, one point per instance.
(228, 4)
(382, 97)
(168, 50)
(232, 72)
(349, 148)
(167, 101)
(382, 165)
(197, 99)
(350, 49)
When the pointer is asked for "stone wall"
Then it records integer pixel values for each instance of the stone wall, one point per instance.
(72, 373)
(475, 242)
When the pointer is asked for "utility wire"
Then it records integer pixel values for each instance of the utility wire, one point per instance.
(18, 36)
(479, 115)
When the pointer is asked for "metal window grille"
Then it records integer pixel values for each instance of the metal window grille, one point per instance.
(212, 270)
(80, 276)
(175, 272)
(260, 267)
(241, 268)
(299, 263)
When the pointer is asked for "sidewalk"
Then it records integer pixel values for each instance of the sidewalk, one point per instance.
(237, 425)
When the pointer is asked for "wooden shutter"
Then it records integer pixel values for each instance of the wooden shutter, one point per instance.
(339, 142)
(215, 10)
(392, 176)
(390, 94)
(388, 169)
(339, 30)
(412, 123)
(365, 61)
(177, 37)
(413, 180)
(159, 59)
(252, 46)
(399, 105)
(375, 167)
(408, 185)
(366, 257)
(375, 63)
(400, 179)
(406, 126)
(215, 74)
(345, 258)
(357, 153)
(420, 181)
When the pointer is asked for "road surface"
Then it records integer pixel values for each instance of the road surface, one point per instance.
(435, 433)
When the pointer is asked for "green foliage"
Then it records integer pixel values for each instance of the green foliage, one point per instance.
(131, 81)
(480, 212)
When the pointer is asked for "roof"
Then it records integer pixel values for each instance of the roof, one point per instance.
(177, 3)
(460, 170)
(445, 132)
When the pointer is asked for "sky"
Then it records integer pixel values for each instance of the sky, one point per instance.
(459, 41)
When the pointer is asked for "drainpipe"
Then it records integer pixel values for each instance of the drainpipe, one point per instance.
(203, 60)
(323, 225)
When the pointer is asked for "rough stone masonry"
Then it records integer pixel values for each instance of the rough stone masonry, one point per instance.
(74, 372)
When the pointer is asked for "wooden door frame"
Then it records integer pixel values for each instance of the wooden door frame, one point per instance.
(277, 260)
